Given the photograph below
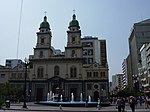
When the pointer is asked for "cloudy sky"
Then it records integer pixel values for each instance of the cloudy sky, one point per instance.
(107, 19)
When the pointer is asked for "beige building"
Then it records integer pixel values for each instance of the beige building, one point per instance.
(4, 74)
(14, 76)
(71, 71)
(12, 71)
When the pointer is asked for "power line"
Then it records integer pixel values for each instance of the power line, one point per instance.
(19, 27)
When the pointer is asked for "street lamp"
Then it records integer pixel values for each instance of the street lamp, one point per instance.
(25, 81)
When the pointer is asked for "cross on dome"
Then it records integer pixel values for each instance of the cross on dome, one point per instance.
(45, 13)
(74, 11)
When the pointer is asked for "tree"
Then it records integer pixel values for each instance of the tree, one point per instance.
(10, 92)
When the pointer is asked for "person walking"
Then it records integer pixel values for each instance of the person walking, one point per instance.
(118, 103)
(123, 104)
(132, 103)
(140, 100)
(146, 102)
(99, 104)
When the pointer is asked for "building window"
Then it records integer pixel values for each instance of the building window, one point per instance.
(56, 70)
(90, 60)
(33, 76)
(89, 74)
(103, 86)
(73, 72)
(102, 74)
(42, 40)
(13, 75)
(73, 53)
(2, 75)
(89, 86)
(96, 86)
(40, 72)
(90, 52)
(20, 75)
(41, 54)
(73, 39)
(85, 52)
(87, 44)
(95, 74)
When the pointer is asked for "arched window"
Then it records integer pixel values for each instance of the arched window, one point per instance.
(73, 72)
(56, 70)
(73, 39)
(42, 40)
(73, 53)
(41, 54)
(40, 72)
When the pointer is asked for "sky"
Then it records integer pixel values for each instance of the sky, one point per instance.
(106, 19)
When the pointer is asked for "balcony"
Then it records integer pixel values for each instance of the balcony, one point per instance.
(143, 79)
(145, 85)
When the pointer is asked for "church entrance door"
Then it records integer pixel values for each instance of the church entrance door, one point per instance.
(39, 94)
(96, 96)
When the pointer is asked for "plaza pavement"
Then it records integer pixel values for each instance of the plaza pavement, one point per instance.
(44, 108)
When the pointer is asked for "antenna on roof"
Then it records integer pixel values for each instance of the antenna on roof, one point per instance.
(19, 28)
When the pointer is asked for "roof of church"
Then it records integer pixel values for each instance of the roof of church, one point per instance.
(45, 24)
(74, 22)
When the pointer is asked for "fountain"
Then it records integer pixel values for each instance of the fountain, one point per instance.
(72, 97)
(89, 98)
(53, 100)
(81, 97)
(53, 97)
(48, 96)
(61, 98)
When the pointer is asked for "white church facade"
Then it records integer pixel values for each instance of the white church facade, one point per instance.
(81, 68)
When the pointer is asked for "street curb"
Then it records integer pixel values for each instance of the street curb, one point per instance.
(22, 109)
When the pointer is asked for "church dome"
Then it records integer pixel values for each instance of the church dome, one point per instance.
(74, 22)
(45, 24)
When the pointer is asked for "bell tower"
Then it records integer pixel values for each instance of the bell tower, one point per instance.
(43, 45)
(74, 47)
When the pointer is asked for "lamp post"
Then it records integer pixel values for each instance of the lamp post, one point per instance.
(25, 81)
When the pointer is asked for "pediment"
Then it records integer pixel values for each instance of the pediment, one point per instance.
(94, 65)
(56, 78)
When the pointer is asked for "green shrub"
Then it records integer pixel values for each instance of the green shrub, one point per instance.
(1, 102)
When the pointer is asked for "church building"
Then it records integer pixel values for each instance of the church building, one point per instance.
(81, 68)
